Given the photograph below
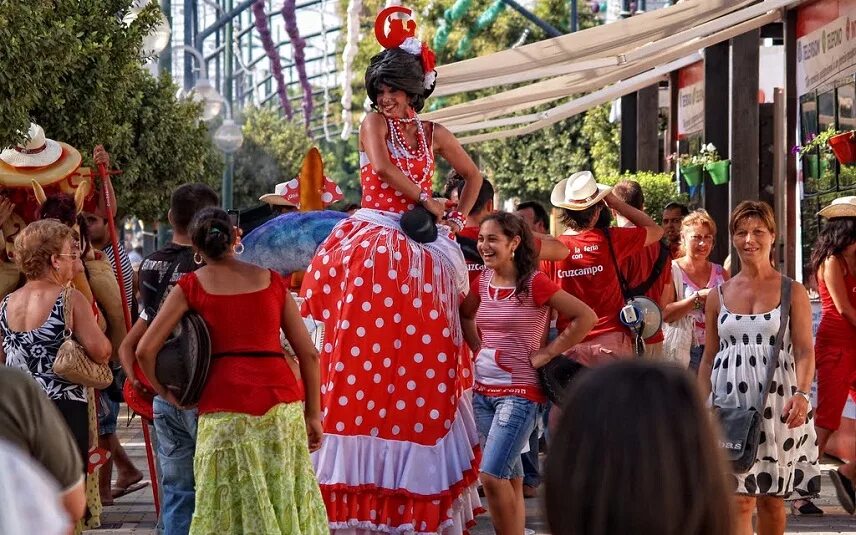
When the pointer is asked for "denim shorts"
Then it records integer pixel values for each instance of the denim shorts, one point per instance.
(108, 415)
(504, 424)
(696, 353)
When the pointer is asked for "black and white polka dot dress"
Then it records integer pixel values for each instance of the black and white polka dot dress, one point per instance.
(787, 458)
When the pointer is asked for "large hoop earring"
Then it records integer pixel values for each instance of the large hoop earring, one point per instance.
(238, 248)
(197, 258)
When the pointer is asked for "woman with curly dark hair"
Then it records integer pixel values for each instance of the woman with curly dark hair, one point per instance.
(505, 318)
(401, 449)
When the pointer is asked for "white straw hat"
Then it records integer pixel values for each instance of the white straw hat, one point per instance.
(840, 207)
(578, 192)
(37, 152)
(284, 194)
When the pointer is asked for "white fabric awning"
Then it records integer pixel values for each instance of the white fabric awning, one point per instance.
(587, 50)
(644, 67)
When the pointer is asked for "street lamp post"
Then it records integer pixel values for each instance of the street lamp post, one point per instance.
(212, 101)
(228, 138)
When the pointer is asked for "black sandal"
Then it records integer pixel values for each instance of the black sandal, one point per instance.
(808, 508)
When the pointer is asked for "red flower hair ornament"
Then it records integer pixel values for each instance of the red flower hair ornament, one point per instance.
(402, 34)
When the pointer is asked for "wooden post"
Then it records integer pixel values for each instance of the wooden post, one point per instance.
(716, 131)
(790, 133)
(671, 138)
(744, 123)
(782, 196)
(647, 129)
(628, 133)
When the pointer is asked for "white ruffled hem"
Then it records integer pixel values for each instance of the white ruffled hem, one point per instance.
(463, 514)
(394, 464)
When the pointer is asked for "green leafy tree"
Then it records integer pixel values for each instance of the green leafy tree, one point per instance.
(171, 147)
(76, 69)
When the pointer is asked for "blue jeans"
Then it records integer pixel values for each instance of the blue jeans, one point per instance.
(531, 470)
(504, 424)
(176, 443)
(696, 353)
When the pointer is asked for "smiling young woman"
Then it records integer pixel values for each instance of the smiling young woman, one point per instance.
(505, 318)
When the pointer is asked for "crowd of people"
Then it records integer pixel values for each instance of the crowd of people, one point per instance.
(444, 319)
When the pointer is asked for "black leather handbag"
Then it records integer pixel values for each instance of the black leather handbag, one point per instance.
(419, 224)
(184, 360)
(741, 427)
(557, 375)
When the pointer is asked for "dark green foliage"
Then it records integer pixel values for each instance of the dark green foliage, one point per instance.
(73, 67)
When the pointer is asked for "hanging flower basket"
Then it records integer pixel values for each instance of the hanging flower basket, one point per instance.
(811, 166)
(844, 147)
(719, 171)
(691, 174)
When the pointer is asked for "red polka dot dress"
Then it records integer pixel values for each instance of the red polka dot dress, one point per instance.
(400, 452)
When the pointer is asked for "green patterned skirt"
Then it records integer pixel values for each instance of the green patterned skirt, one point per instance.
(254, 476)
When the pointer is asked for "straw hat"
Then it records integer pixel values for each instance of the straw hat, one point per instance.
(840, 207)
(284, 194)
(578, 192)
(37, 152)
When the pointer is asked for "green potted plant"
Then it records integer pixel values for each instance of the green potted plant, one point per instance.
(690, 168)
(816, 153)
(716, 167)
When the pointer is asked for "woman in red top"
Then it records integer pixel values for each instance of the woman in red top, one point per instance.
(513, 299)
(252, 468)
(834, 262)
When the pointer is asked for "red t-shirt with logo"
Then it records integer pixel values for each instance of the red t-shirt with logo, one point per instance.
(637, 268)
(588, 273)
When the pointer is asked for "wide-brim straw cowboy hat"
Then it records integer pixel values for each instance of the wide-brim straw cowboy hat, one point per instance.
(17, 177)
(840, 207)
(578, 192)
(38, 151)
(284, 194)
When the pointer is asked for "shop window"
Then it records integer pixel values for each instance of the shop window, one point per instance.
(808, 117)
(846, 95)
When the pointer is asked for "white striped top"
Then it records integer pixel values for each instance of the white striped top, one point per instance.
(512, 327)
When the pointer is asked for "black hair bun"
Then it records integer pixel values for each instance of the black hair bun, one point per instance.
(419, 225)
(211, 232)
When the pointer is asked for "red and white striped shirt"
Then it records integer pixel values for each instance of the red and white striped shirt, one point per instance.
(511, 330)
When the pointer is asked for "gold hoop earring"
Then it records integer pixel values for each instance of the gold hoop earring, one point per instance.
(197, 258)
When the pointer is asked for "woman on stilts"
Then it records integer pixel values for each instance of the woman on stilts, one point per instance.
(401, 450)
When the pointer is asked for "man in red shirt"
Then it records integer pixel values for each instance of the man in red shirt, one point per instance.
(588, 272)
(652, 265)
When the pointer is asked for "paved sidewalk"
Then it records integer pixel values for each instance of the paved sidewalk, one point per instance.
(135, 513)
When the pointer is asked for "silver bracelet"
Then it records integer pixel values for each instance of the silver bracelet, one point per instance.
(804, 395)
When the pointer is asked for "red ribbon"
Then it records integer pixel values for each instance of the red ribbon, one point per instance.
(32, 151)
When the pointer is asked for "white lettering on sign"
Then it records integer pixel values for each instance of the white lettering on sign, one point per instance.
(828, 52)
(691, 108)
(568, 273)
